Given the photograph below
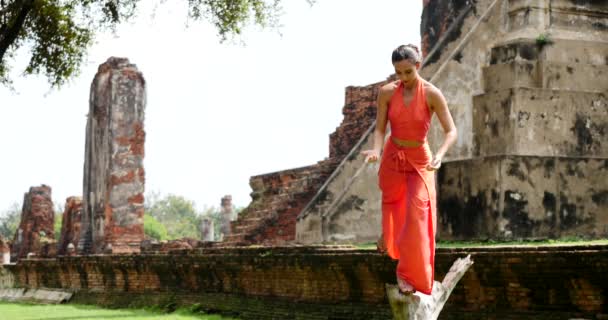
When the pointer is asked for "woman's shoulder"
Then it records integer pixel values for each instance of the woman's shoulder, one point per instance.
(389, 88)
(430, 89)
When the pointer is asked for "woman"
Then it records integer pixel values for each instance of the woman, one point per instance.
(407, 169)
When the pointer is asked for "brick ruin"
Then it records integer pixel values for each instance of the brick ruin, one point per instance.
(207, 229)
(113, 191)
(70, 226)
(109, 218)
(35, 229)
(227, 215)
(279, 197)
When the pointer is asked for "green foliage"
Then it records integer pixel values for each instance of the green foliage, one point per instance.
(59, 32)
(57, 225)
(176, 213)
(154, 229)
(543, 39)
(230, 16)
(9, 221)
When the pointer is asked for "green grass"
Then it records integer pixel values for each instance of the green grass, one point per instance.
(494, 243)
(20, 311)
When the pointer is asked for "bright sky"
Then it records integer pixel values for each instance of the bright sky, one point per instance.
(217, 113)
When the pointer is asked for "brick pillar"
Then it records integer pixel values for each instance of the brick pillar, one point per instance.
(207, 231)
(227, 215)
(70, 224)
(36, 226)
(113, 200)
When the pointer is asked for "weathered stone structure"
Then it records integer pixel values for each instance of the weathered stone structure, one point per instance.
(207, 229)
(36, 226)
(528, 89)
(227, 209)
(113, 200)
(226, 215)
(441, 22)
(70, 225)
(526, 83)
(318, 283)
(5, 251)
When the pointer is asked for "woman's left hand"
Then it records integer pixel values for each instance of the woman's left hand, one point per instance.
(434, 164)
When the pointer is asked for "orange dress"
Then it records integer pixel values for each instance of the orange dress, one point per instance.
(408, 191)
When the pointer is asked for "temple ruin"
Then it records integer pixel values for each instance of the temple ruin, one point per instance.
(70, 226)
(227, 215)
(114, 176)
(36, 225)
(526, 82)
(207, 229)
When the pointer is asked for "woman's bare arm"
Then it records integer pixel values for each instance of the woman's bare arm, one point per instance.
(439, 105)
(384, 95)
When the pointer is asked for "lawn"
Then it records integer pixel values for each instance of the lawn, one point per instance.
(18, 311)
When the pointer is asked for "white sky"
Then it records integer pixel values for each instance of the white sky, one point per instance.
(217, 113)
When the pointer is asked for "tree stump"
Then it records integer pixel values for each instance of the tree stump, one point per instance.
(419, 306)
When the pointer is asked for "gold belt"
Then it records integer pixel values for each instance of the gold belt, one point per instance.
(407, 143)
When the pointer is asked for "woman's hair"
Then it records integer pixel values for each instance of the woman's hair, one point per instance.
(407, 52)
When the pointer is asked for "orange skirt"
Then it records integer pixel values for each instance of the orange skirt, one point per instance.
(408, 212)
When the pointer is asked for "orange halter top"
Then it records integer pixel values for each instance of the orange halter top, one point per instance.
(410, 122)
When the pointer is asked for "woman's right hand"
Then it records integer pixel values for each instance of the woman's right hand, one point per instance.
(371, 156)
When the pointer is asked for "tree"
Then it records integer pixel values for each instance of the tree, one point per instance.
(60, 31)
(9, 221)
(57, 223)
(176, 213)
(154, 229)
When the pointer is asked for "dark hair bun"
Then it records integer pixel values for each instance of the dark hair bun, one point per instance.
(406, 52)
(413, 46)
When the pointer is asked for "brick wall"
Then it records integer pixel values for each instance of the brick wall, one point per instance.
(279, 197)
(332, 282)
(359, 113)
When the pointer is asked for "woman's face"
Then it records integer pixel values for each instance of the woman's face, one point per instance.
(406, 71)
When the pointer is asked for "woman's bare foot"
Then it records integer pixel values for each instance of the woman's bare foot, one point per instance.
(380, 245)
(404, 286)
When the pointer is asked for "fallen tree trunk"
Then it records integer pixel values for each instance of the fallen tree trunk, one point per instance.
(419, 306)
